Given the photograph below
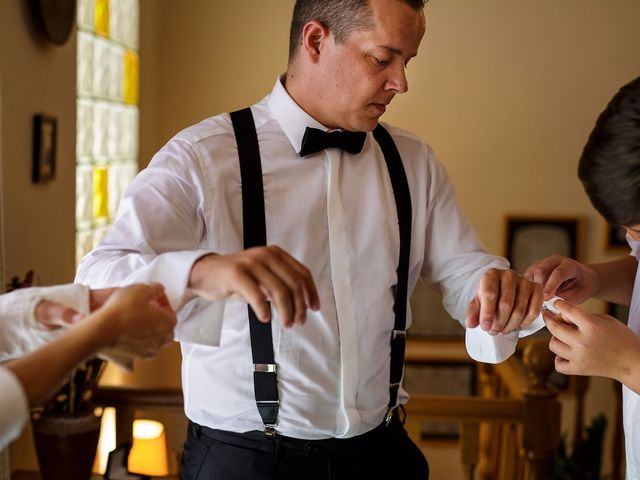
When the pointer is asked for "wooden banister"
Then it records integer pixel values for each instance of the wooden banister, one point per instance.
(515, 406)
(129, 397)
(450, 407)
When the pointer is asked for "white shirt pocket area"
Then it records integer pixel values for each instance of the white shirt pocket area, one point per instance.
(486, 348)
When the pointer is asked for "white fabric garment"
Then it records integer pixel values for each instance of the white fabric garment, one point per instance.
(630, 399)
(333, 211)
(20, 335)
(495, 349)
(14, 408)
(19, 332)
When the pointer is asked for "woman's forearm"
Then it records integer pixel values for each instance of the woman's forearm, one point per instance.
(44, 370)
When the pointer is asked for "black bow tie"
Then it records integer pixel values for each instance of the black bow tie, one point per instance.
(315, 140)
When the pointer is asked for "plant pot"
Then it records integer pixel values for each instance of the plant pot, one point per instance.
(66, 445)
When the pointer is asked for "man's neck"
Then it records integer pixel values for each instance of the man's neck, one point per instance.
(300, 89)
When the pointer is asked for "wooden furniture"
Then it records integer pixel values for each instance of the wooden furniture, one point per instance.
(511, 429)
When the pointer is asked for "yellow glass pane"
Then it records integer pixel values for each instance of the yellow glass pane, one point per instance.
(100, 193)
(102, 17)
(130, 79)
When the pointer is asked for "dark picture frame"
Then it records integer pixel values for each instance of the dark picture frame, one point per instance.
(532, 238)
(45, 133)
(616, 238)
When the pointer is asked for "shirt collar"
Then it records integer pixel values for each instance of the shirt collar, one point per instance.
(292, 119)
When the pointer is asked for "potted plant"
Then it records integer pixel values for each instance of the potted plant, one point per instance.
(66, 429)
(585, 459)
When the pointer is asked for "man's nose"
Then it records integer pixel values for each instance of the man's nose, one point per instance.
(397, 81)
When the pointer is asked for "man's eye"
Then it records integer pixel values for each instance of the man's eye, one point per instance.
(381, 61)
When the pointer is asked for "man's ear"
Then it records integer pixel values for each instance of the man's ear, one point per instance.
(314, 35)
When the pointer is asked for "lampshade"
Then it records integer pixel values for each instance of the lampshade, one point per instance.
(149, 451)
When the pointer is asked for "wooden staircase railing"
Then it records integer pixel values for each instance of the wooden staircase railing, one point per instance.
(511, 430)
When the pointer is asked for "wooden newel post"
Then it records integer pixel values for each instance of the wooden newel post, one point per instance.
(541, 425)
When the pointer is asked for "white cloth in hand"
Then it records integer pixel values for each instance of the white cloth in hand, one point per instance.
(486, 348)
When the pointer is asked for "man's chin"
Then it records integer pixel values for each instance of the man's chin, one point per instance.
(366, 124)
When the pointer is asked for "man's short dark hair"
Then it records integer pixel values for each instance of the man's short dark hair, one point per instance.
(341, 17)
(610, 164)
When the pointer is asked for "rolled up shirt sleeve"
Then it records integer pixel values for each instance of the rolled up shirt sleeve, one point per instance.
(14, 408)
(158, 236)
(455, 258)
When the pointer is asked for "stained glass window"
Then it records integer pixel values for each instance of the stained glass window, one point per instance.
(107, 113)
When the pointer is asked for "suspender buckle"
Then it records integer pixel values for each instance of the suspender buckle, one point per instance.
(265, 367)
(398, 334)
(388, 416)
(270, 431)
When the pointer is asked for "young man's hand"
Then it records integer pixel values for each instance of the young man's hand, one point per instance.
(593, 344)
(564, 277)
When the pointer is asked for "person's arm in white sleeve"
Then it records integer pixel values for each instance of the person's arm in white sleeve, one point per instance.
(162, 233)
(134, 321)
(20, 331)
(14, 407)
(455, 258)
(158, 232)
(458, 264)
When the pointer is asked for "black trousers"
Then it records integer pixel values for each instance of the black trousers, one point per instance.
(386, 452)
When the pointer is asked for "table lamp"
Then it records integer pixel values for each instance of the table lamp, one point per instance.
(148, 454)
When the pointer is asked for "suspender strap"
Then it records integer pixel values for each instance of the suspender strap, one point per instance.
(403, 206)
(255, 235)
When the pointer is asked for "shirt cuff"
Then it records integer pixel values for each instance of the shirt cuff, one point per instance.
(171, 269)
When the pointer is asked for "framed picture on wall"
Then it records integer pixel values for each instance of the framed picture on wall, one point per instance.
(616, 238)
(45, 129)
(531, 238)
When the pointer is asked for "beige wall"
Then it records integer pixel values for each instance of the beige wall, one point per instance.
(38, 219)
(38, 222)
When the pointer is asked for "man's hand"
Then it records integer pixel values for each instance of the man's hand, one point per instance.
(588, 344)
(564, 277)
(258, 276)
(505, 301)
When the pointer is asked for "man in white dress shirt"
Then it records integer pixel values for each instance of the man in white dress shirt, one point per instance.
(45, 332)
(587, 344)
(187, 219)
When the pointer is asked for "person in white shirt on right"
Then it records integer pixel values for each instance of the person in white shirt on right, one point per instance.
(584, 343)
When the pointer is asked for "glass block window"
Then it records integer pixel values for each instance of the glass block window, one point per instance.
(107, 113)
